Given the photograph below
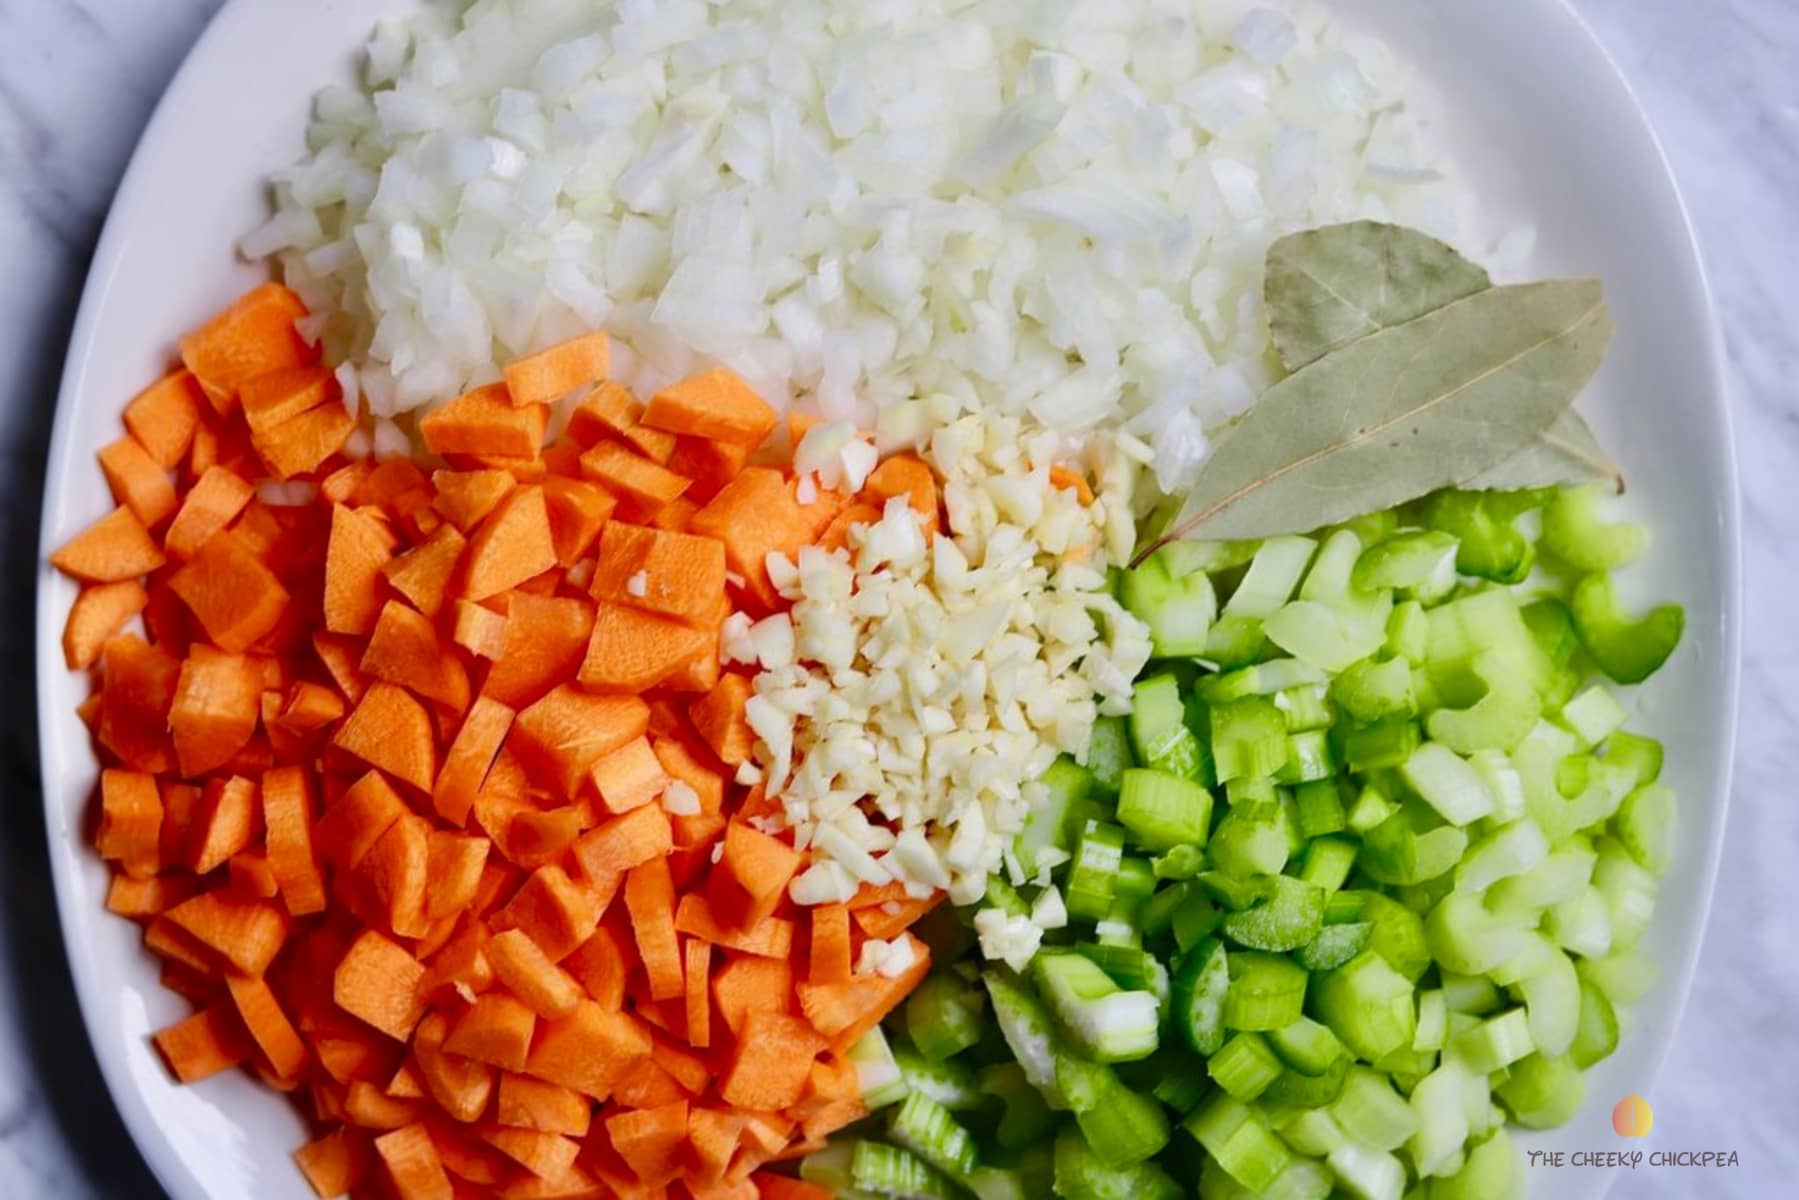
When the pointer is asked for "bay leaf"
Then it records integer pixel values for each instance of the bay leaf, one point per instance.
(1565, 454)
(1401, 412)
(1326, 287)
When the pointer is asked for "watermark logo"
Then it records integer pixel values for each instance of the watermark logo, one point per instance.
(1633, 1118)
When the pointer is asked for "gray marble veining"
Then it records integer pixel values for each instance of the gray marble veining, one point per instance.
(77, 81)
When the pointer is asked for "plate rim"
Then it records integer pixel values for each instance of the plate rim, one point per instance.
(159, 1153)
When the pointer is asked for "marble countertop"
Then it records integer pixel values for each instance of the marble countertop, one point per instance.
(77, 81)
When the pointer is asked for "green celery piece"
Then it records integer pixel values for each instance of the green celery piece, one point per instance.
(830, 1167)
(1371, 807)
(1285, 921)
(1492, 1170)
(1502, 717)
(1331, 636)
(1025, 1119)
(1507, 851)
(1236, 892)
(1575, 531)
(1249, 738)
(1552, 1004)
(1071, 799)
(950, 1083)
(1235, 641)
(1306, 1046)
(1251, 842)
(1368, 1005)
(1029, 1032)
(1371, 1113)
(1398, 934)
(1178, 610)
(878, 1074)
(1106, 1023)
(1496, 1042)
(1433, 1021)
(1183, 558)
(1489, 547)
(1408, 632)
(1237, 1136)
(1306, 707)
(1131, 968)
(1120, 1126)
(1082, 1175)
(1002, 895)
(1181, 1082)
(1159, 733)
(1642, 755)
(1334, 946)
(1092, 876)
(1410, 560)
(1179, 863)
(1304, 1128)
(1372, 689)
(1250, 795)
(1258, 679)
(1319, 808)
(1596, 1034)
(896, 1173)
(1446, 782)
(1309, 758)
(1624, 975)
(1266, 991)
(1194, 920)
(1327, 862)
(943, 1016)
(1164, 811)
(1467, 938)
(932, 1132)
(1627, 649)
(1398, 852)
(1295, 1089)
(1435, 1146)
(1385, 743)
(1552, 626)
(1109, 753)
(1645, 826)
(1273, 574)
(1199, 988)
(1244, 1066)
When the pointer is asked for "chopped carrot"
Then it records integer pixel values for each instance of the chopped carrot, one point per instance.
(463, 498)
(589, 1050)
(675, 515)
(720, 718)
(396, 872)
(229, 820)
(461, 967)
(714, 404)
(650, 899)
(578, 510)
(454, 865)
(233, 595)
(830, 952)
(138, 482)
(99, 612)
(210, 1041)
(758, 514)
(287, 817)
(650, 1140)
(545, 1155)
(545, 638)
(772, 938)
(412, 1164)
(837, 534)
(752, 875)
(629, 776)
(710, 464)
(405, 649)
(114, 548)
(673, 574)
(523, 967)
(339, 655)
(378, 982)
(783, 1187)
(681, 761)
(391, 731)
(480, 631)
(887, 919)
(556, 913)
(216, 706)
(832, 1098)
(637, 837)
(600, 965)
(370, 1107)
(485, 422)
(269, 1027)
(697, 965)
(280, 395)
(359, 548)
(713, 1135)
(534, 837)
(334, 1163)
(843, 1012)
(611, 411)
(527, 1103)
(510, 546)
(904, 475)
(748, 984)
(251, 337)
(213, 503)
(632, 651)
(247, 934)
(423, 573)
(552, 373)
(772, 1061)
(309, 706)
(560, 736)
(130, 821)
(459, 1085)
(164, 415)
(137, 687)
(496, 1029)
(300, 444)
(632, 477)
(142, 899)
(352, 825)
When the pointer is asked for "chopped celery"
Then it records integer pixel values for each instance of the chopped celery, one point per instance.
(1367, 1174)
(1596, 1034)
(1025, 1023)
(893, 1172)
(1397, 852)
(1542, 1092)
(1130, 968)
(1398, 934)
(931, 1131)
(1180, 1083)
(1368, 1005)
(1266, 991)
(1433, 1021)
(1164, 811)
(1082, 1175)
(1372, 689)
(950, 1083)
(1121, 1126)
(1287, 920)
(1505, 713)
(1260, 679)
(1250, 792)
(830, 1167)
(1467, 938)
(1106, 1022)
(1489, 546)
(1238, 1137)
(1386, 743)
(1491, 1170)
(1306, 1046)
(1435, 1146)
(1025, 1120)
(1306, 707)
(1628, 649)
(1109, 753)
(1195, 919)
(1310, 1130)
(943, 1016)
(1158, 723)
(1199, 990)
(1642, 755)
(1371, 1113)
(1296, 1089)
(1551, 996)
(1408, 632)
(1271, 578)
(1594, 714)
(1093, 874)
(1249, 738)
(1447, 783)
(1623, 975)
(1250, 842)
(1510, 850)
(1319, 808)
(1334, 946)
(1413, 559)
(1309, 758)
(1496, 1042)
(1329, 636)
(1628, 889)
(1645, 826)
(1244, 1066)
(877, 1073)
(1575, 531)
(1178, 609)
(1327, 862)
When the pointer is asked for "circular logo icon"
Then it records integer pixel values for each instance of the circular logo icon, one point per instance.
(1633, 1118)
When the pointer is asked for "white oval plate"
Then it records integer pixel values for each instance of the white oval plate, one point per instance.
(1541, 122)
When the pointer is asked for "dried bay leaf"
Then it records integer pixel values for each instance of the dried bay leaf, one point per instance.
(1326, 287)
(1565, 453)
(1401, 412)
